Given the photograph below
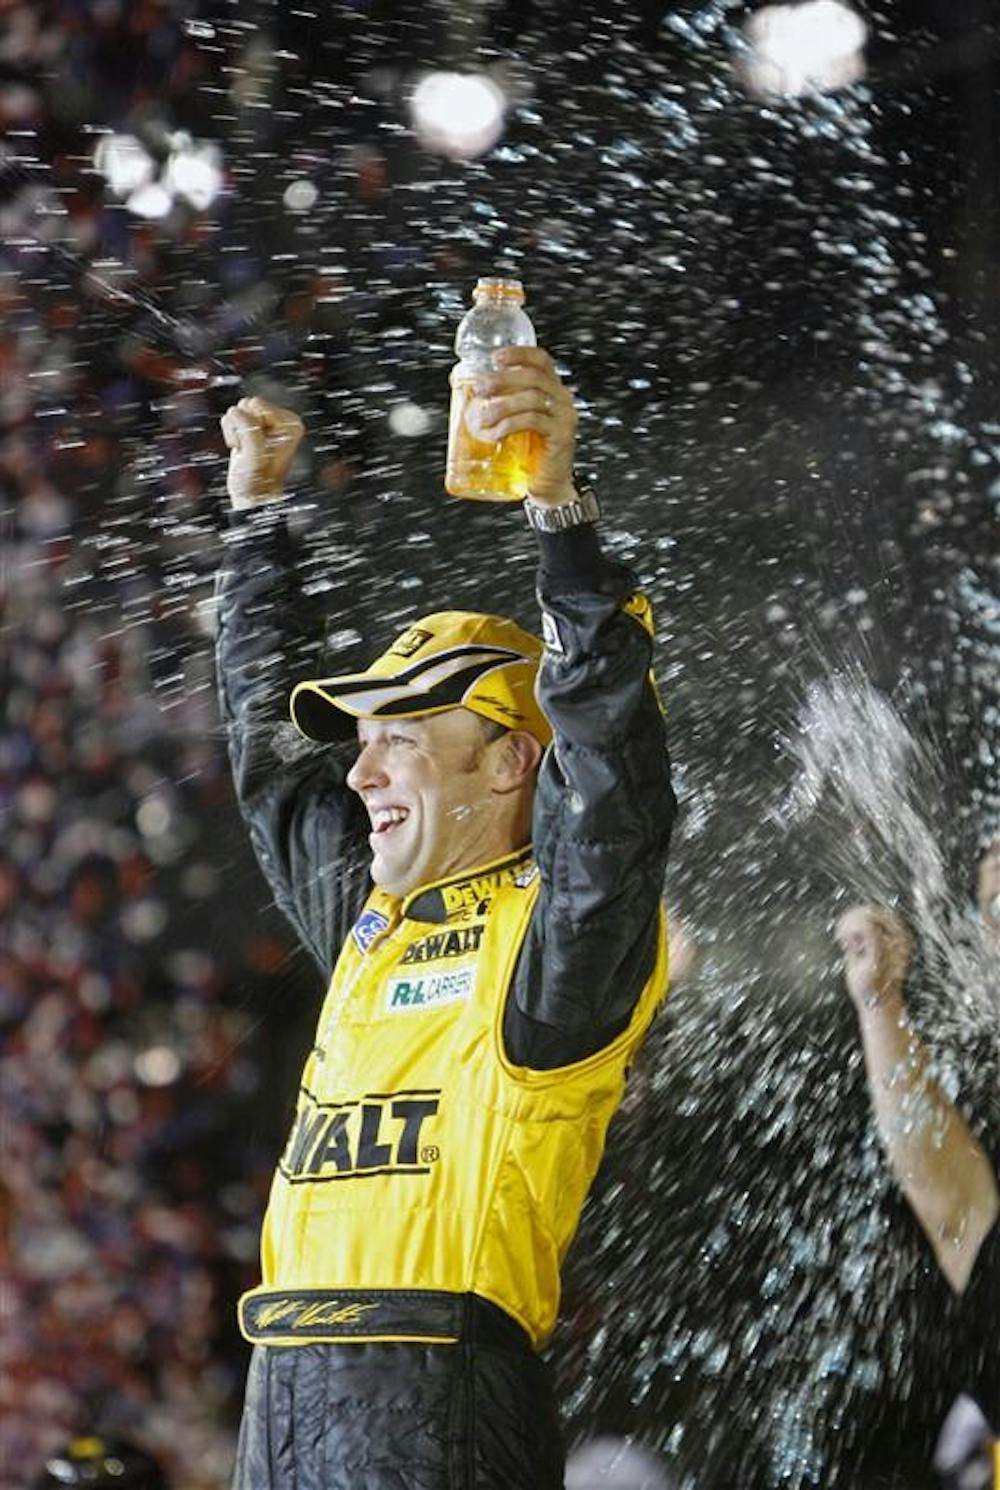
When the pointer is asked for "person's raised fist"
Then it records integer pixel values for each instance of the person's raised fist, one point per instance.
(877, 952)
(988, 888)
(262, 440)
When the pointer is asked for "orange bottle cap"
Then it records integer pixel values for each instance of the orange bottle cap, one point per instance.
(508, 288)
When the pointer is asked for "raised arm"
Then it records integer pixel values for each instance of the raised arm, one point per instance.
(305, 825)
(942, 1169)
(604, 806)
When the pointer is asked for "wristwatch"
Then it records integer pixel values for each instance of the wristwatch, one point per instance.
(585, 508)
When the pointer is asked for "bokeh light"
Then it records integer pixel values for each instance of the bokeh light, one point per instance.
(817, 45)
(160, 1065)
(125, 162)
(409, 420)
(300, 196)
(150, 201)
(194, 171)
(457, 114)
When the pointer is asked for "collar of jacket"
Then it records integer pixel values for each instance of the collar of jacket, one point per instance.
(440, 900)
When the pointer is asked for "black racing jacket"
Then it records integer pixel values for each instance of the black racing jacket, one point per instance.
(603, 811)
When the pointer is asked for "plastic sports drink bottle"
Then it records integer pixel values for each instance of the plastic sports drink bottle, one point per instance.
(485, 470)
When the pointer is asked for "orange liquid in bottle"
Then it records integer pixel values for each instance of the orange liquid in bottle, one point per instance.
(486, 470)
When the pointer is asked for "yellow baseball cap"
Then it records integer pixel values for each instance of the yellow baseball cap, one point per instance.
(448, 660)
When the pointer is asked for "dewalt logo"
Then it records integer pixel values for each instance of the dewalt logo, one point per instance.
(476, 893)
(376, 1134)
(444, 944)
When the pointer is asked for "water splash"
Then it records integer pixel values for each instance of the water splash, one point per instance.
(765, 1256)
(882, 793)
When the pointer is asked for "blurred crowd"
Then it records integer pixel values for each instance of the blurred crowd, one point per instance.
(130, 1182)
(129, 1211)
(128, 1207)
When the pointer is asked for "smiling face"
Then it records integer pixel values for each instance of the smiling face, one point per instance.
(438, 797)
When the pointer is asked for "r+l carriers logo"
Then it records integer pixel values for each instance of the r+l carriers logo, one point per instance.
(382, 1133)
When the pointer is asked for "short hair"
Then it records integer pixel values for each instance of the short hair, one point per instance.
(490, 729)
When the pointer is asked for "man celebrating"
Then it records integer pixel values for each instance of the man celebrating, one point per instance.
(482, 889)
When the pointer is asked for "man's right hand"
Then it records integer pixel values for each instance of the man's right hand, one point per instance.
(877, 952)
(262, 440)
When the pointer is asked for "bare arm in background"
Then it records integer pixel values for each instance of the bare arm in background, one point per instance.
(942, 1169)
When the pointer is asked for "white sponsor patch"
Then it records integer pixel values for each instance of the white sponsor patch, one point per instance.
(428, 990)
(550, 633)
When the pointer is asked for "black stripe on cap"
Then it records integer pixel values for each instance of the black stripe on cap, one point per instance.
(369, 683)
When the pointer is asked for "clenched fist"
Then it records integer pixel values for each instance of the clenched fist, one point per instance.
(988, 888)
(877, 952)
(262, 440)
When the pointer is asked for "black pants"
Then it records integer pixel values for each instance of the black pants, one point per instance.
(473, 1416)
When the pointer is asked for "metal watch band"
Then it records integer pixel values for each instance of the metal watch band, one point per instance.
(585, 508)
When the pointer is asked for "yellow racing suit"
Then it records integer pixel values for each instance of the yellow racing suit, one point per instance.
(469, 1055)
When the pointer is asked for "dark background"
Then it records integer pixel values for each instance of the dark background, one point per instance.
(780, 319)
